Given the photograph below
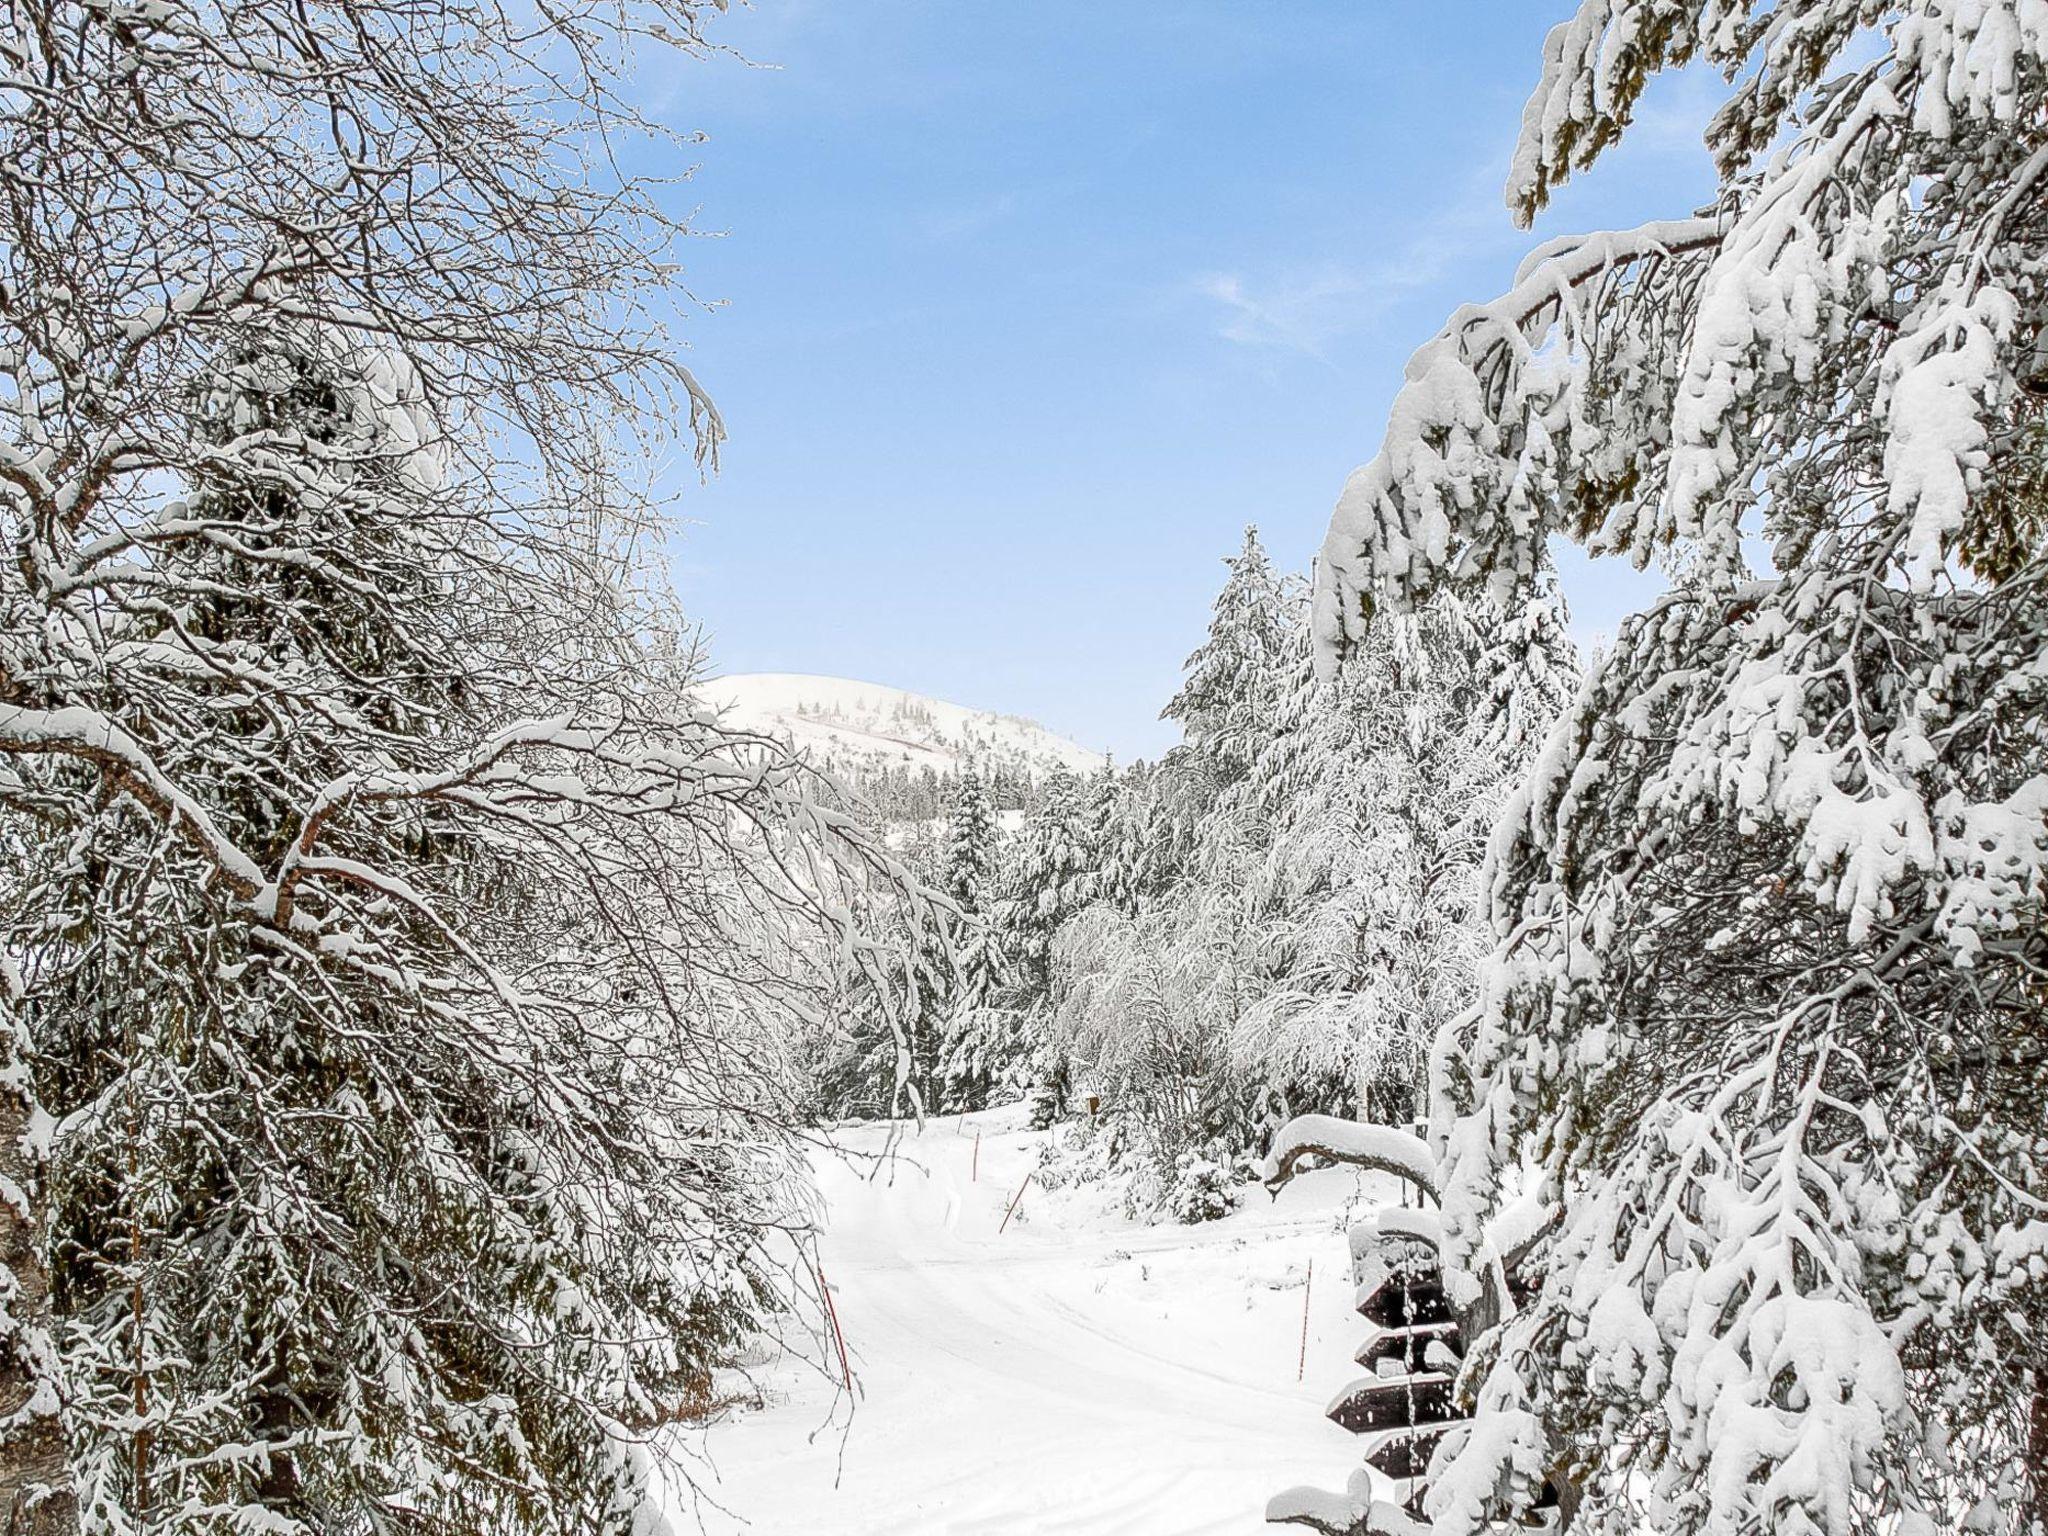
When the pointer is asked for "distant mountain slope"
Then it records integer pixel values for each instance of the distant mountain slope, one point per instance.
(864, 727)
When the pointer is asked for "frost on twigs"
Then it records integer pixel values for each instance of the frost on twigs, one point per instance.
(407, 962)
(1763, 1011)
(36, 1485)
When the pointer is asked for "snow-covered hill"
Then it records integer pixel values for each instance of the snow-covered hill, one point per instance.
(854, 727)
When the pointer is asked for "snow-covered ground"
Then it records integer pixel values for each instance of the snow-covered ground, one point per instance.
(1078, 1373)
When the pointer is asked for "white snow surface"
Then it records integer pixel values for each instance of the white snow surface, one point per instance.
(1080, 1373)
(846, 725)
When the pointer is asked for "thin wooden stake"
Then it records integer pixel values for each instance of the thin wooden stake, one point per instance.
(1301, 1368)
(974, 1175)
(1014, 1199)
(832, 1311)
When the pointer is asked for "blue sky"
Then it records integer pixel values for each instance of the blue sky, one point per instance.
(1022, 312)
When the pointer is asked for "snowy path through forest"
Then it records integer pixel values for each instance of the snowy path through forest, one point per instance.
(1078, 1373)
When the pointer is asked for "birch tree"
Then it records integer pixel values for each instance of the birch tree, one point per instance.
(1377, 795)
(398, 960)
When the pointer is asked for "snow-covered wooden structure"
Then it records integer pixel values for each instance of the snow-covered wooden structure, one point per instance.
(1406, 1405)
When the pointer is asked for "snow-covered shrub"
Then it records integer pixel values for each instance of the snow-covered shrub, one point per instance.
(1109, 1156)
(1204, 1188)
(1146, 1005)
(1085, 1152)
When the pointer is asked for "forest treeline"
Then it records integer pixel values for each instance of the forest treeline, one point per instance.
(414, 1005)
(1275, 918)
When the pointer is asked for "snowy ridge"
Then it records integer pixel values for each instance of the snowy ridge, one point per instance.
(851, 726)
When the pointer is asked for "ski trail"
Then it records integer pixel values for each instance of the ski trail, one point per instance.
(1073, 1376)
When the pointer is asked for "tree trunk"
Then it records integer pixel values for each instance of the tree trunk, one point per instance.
(278, 1488)
(36, 1493)
(2037, 1455)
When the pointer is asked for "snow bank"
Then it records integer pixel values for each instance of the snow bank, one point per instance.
(1342, 1514)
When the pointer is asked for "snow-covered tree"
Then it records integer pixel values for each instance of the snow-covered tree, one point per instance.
(969, 875)
(1763, 1017)
(1047, 876)
(1121, 824)
(1228, 686)
(1375, 798)
(1228, 704)
(403, 961)
(36, 1484)
(1147, 1004)
(980, 1040)
(1052, 871)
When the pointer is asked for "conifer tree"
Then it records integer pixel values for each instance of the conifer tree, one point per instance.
(981, 1040)
(1229, 701)
(1762, 1018)
(1229, 686)
(1048, 876)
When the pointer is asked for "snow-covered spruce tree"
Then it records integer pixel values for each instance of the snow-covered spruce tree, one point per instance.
(981, 1041)
(1764, 1018)
(1377, 793)
(1227, 692)
(1231, 692)
(402, 958)
(1046, 876)
(36, 1486)
(1119, 828)
(1050, 873)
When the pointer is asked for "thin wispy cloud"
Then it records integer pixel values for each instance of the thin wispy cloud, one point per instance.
(1308, 309)
(1299, 313)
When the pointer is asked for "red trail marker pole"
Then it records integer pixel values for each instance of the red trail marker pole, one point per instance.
(839, 1338)
(1301, 1366)
(1014, 1199)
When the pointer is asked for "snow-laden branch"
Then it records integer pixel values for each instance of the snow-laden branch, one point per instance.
(79, 732)
(1384, 1148)
(1452, 476)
